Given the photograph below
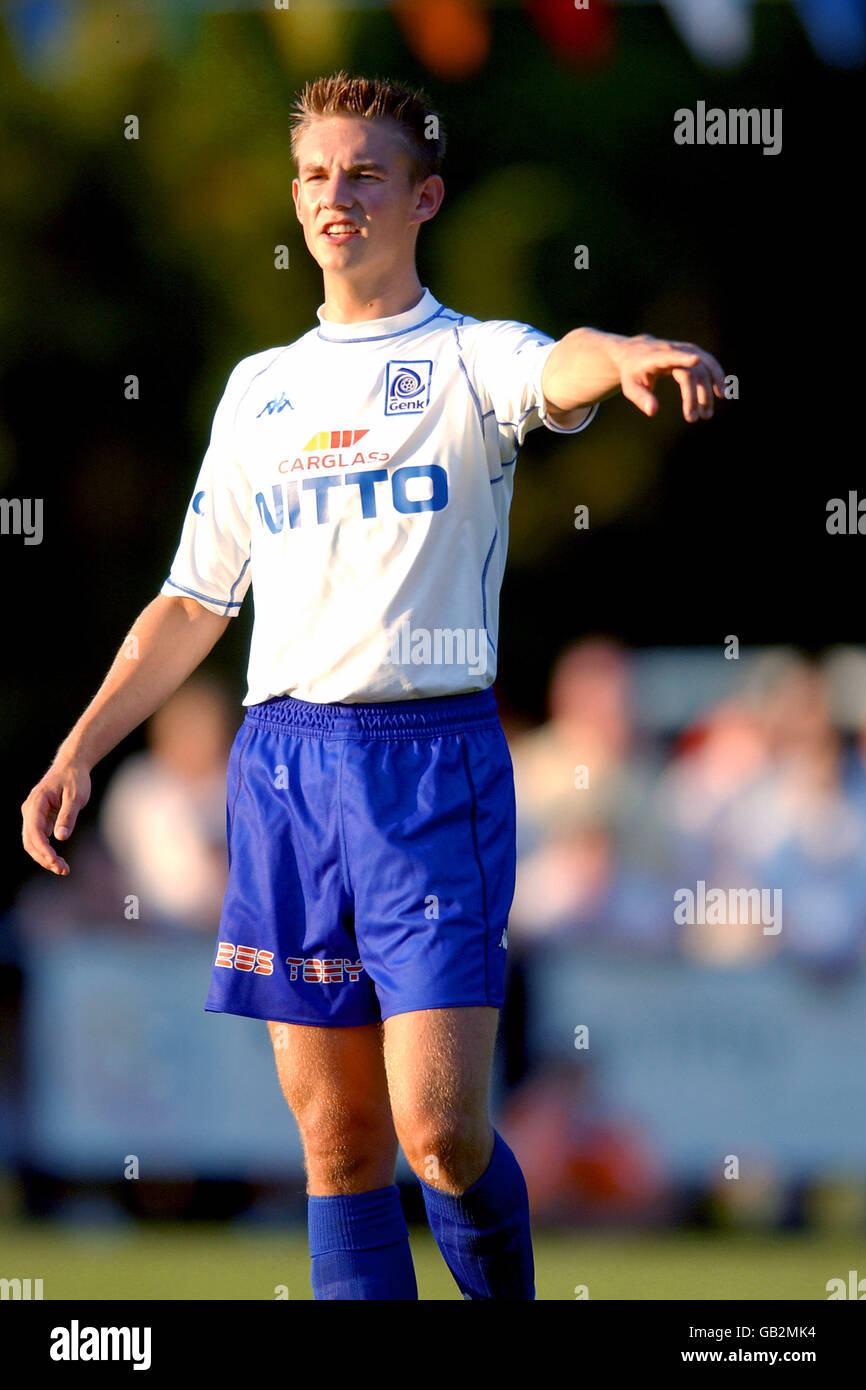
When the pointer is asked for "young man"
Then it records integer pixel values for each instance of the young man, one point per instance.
(361, 479)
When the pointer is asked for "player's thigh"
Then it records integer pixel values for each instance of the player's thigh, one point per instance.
(332, 1077)
(438, 1064)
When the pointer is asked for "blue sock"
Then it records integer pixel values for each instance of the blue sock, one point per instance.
(484, 1232)
(360, 1247)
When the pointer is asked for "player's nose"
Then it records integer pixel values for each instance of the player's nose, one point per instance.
(337, 192)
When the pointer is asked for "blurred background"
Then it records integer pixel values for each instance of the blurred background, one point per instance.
(683, 682)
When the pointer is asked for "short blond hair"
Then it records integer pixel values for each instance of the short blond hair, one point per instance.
(375, 99)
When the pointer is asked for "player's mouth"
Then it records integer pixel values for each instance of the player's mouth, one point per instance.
(338, 232)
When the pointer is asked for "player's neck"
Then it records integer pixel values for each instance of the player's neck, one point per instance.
(351, 302)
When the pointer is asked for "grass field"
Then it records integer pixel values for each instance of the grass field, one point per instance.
(219, 1262)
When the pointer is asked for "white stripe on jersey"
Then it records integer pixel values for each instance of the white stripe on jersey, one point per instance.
(361, 479)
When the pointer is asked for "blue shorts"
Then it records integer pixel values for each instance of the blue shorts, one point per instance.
(371, 860)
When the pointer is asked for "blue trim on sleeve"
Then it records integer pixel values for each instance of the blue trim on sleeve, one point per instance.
(238, 580)
(560, 429)
(193, 593)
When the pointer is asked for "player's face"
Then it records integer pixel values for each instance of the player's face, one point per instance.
(353, 196)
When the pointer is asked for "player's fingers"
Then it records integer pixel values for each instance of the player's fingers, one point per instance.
(635, 391)
(45, 808)
(662, 357)
(35, 842)
(38, 816)
(709, 363)
(704, 391)
(68, 814)
(716, 374)
(686, 382)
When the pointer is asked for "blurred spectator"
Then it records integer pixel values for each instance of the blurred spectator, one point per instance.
(804, 829)
(163, 816)
(715, 765)
(588, 727)
(586, 844)
(757, 798)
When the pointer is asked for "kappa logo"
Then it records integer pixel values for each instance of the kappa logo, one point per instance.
(246, 958)
(324, 972)
(281, 403)
(407, 387)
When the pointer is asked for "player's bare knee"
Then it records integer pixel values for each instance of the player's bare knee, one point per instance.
(343, 1139)
(349, 1157)
(446, 1151)
(345, 1170)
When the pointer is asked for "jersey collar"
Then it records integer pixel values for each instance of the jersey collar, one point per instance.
(428, 307)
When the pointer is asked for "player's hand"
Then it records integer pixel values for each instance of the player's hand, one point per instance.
(643, 359)
(52, 808)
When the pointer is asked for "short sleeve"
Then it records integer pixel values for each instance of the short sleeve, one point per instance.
(212, 560)
(507, 360)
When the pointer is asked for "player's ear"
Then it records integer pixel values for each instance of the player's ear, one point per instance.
(296, 191)
(428, 198)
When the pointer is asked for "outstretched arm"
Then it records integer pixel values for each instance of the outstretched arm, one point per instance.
(586, 366)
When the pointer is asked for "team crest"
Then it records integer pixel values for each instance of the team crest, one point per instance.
(407, 387)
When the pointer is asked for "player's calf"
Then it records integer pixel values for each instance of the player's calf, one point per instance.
(334, 1082)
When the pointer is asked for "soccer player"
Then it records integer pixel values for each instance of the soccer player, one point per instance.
(361, 478)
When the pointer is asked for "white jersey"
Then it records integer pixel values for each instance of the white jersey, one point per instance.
(361, 480)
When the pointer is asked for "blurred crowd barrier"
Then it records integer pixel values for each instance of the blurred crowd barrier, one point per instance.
(687, 946)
